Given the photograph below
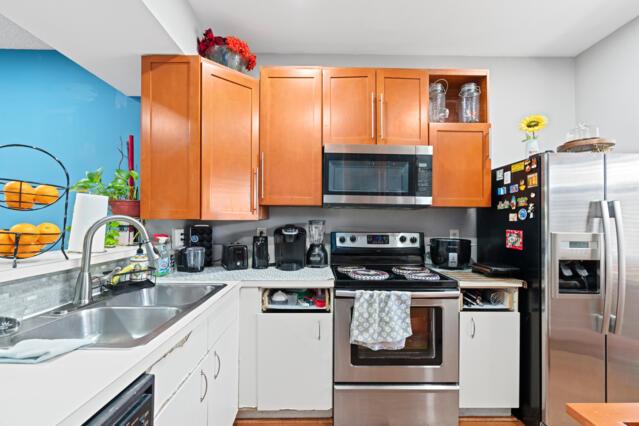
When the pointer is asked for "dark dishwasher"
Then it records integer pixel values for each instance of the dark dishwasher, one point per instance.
(132, 407)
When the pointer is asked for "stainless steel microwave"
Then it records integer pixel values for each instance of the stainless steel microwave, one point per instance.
(377, 175)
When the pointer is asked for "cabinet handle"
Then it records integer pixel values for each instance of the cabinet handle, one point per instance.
(219, 365)
(372, 115)
(206, 385)
(381, 115)
(256, 188)
(262, 172)
(473, 329)
(319, 330)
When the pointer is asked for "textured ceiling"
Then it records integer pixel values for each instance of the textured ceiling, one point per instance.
(13, 36)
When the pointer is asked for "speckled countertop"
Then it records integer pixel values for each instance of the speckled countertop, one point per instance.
(258, 277)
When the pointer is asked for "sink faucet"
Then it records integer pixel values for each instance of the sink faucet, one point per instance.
(83, 288)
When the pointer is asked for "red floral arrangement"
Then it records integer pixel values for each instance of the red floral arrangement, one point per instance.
(234, 44)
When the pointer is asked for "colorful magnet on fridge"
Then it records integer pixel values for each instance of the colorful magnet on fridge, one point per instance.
(533, 163)
(501, 190)
(532, 180)
(503, 205)
(522, 185)
(513, 202)
(499, 174)
(532, 195)
(514, 188)
(507, 178)
(522, 201)
(514, 239)
(512, 217)
(523, 214)
(517, 167)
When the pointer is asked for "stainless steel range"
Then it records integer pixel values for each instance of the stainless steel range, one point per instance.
(417, 385)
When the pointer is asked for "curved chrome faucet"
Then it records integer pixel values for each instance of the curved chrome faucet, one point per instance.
(83, 288)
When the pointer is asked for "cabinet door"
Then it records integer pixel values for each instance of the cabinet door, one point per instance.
(348, 105)
(461, 164)
(294, 361)
(188, 405)
(402, 116)
(170, 150)
(230, 144)
(224, 365)
(489, 360)
(291, 136)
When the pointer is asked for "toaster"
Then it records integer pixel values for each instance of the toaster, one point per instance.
(234, 256)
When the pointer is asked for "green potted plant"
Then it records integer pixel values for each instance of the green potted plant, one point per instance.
(123, 197)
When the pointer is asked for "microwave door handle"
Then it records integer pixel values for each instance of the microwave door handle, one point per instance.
(605, 215)
(621, 267)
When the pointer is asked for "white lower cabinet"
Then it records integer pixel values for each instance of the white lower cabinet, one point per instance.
(294, 361)
(489, 360)
(223, 363)
(188, 406)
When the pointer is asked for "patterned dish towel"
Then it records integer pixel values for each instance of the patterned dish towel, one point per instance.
(381, 319)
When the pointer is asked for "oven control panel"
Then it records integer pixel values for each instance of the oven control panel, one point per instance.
(378, 240)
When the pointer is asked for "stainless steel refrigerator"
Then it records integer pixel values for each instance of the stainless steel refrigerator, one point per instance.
(570, 222)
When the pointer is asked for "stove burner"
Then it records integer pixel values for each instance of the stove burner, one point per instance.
(368, 275)
(408, 269)
(347, 269)
(426, 275)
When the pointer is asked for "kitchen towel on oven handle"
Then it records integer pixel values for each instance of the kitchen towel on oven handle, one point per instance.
(381, 319)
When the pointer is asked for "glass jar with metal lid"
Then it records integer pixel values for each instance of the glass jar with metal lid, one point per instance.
(437, 111)
(469, 103)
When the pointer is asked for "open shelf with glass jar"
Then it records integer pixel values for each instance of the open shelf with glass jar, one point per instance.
(458, 95)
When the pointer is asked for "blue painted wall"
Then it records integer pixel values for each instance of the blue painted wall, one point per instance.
(49, 101)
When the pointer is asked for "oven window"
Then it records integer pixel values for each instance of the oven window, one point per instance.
(372, 176)
(424, 347)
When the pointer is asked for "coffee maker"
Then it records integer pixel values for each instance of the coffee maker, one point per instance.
(290, 247)
(316, 256)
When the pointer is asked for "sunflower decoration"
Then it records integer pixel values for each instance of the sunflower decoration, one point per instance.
(532, 124)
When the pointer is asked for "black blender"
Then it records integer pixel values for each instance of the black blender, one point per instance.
(316, 256)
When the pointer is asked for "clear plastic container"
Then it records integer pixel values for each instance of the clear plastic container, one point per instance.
(164, 251)
(469, 103)
(437, 111)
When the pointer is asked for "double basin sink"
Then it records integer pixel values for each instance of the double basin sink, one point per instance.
(120, 321)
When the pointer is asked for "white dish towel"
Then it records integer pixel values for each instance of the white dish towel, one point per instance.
(33, 351)
(381, 319)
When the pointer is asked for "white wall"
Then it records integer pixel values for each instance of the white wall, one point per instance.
(518, 87)
(607, 86)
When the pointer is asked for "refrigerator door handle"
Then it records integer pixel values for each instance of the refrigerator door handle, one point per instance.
(621, 267)
(605, 214)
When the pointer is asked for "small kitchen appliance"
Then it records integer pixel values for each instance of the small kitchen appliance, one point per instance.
(201, 235)
(260, 252)
(234, 257)
(191, 259)
(450, 253)
(290, 247)
(377, 175)
(399, 386)
(316, 256)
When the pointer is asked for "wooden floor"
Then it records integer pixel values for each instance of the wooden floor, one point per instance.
(464, 421)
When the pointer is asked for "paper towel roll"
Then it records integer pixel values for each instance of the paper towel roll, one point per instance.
(88, 208)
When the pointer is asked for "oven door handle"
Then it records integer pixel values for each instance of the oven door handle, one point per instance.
(404, 388)
(447, 294)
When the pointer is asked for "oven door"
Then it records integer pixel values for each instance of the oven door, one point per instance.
(377, 175)
(430, 354)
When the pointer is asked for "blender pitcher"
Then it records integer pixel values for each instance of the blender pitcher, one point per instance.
(316, 256)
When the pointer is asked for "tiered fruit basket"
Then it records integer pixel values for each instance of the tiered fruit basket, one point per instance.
(25, 240)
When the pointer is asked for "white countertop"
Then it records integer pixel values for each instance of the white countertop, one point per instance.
(69, 389)
(54, 261)
(265, 278)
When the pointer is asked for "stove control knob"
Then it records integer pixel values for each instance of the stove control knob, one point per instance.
(353, 238)
(402, 239)
(413, 240)
(342, 239)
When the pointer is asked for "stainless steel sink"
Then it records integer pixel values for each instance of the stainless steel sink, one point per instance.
(119, 321)
(111, 327)
(165, 295)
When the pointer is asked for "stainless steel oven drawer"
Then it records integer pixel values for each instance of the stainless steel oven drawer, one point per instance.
(396, 405)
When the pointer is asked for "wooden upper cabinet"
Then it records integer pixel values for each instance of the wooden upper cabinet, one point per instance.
(291, 136)
(170, 149)
(461, 164)
(230, 144)
(402, 107)
(349, 105)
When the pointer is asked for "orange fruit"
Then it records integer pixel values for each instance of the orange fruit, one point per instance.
(28, 233)
(19, 195)
(6, 245)
(46, 194)
(28, 250)
(49, 233)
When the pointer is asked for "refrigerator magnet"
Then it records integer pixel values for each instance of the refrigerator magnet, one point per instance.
(522, 201)
(512, 217)
(517, 167)
(533, 163)
(499, 174)
(501, 190)
(506, 178)
(522, 185)
(514, 239)
(523, 214)
(514, 188)
(532, 180)
(513, 202)
(503, 205)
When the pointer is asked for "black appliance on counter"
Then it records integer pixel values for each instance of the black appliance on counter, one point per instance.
(450, 253)
(260, 252)
(316, 256)
(201, 235)
(234, 257)
(290, 247)
(190, 259)
(132, 406)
